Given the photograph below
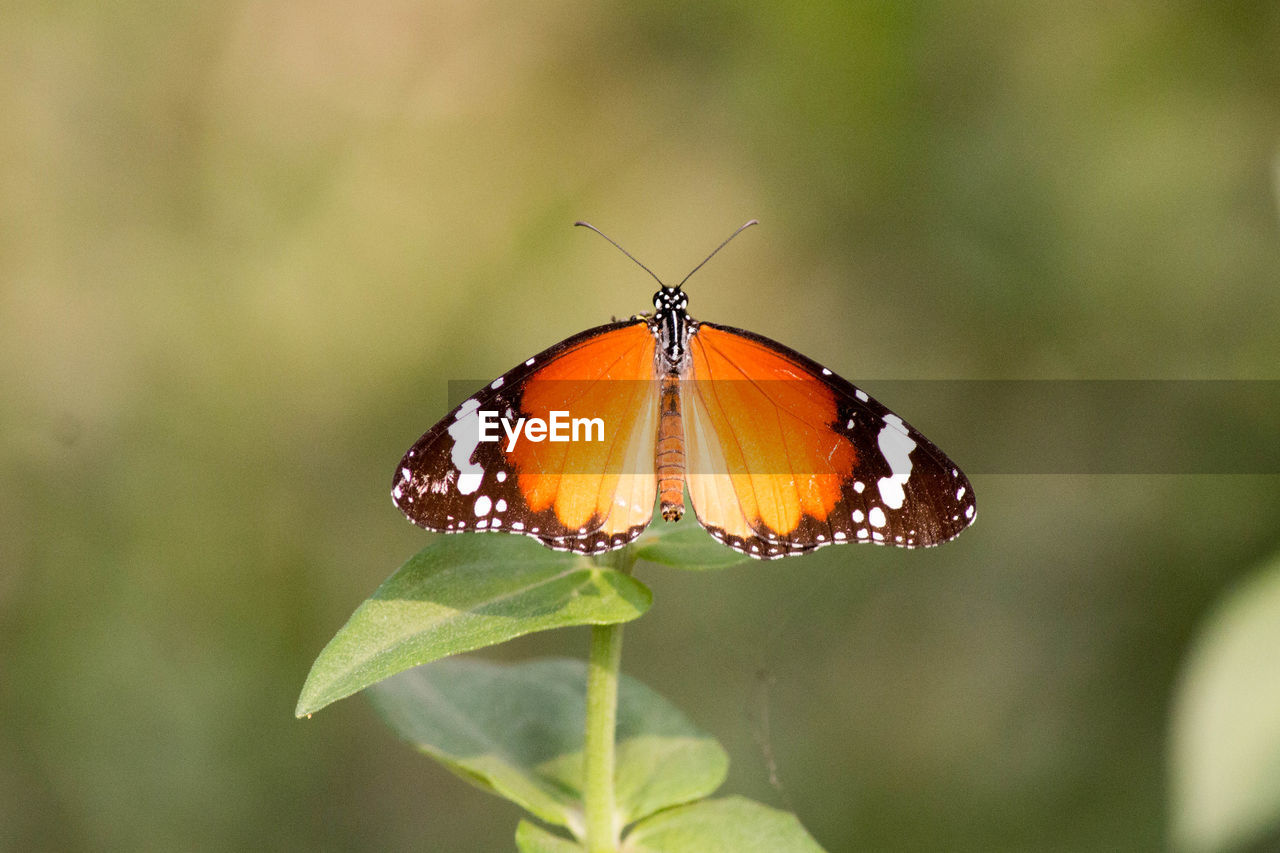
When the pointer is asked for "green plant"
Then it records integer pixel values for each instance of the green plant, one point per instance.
(623, 770)
(1225, 737)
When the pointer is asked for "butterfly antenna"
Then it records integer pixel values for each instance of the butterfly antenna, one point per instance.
(622, 250)
(741, 228)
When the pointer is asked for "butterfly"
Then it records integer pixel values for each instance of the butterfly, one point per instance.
(779, 455)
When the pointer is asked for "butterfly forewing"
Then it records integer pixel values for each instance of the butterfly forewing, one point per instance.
(582, 495)
(785, 456)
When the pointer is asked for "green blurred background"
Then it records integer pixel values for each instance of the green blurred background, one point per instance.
(245, 246)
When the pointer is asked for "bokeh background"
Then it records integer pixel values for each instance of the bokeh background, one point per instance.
(244, 247)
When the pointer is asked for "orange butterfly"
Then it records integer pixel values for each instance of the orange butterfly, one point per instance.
(780, 456)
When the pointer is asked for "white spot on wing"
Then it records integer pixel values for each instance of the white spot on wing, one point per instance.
(895, 446)
(465, 432)
(501, 505)
(861, 395)
(497, 383)
(876, 517)
(483, 505)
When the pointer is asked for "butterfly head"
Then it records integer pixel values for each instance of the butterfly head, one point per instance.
(670, 299)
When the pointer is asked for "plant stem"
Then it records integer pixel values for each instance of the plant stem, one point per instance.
(602, 720)
(603, 667)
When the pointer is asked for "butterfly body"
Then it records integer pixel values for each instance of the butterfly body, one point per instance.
(779, 455)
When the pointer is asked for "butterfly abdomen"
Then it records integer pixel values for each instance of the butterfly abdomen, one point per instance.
(670, 455)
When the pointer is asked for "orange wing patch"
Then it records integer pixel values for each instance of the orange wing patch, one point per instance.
(763, 455)
(604, 486)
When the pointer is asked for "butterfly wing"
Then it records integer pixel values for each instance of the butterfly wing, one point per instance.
(583, 495)
(784, 456)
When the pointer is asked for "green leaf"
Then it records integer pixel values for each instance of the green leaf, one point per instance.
(531, 838)
(465, 592)
(1226, 724)
(684, 545)
(516, 730)
(730, 825)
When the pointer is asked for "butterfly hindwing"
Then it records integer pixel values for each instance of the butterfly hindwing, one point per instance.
(585, 496)
(785, 456)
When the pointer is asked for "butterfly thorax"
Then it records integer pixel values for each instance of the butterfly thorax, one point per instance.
(672, 325)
